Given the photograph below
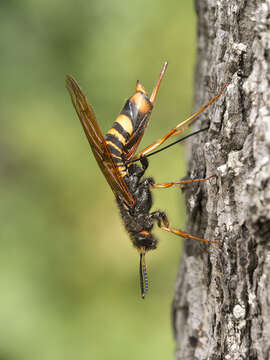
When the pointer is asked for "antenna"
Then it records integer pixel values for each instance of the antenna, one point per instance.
(143, 275)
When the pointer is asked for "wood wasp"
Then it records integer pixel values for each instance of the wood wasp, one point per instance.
(115, 155)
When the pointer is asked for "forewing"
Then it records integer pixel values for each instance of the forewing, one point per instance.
(97, 142)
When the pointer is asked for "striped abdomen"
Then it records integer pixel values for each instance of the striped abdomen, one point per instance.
(128, 128)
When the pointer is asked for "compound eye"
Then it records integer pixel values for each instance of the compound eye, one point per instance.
(145, 240)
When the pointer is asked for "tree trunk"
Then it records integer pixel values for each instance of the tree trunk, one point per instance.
(222, 298)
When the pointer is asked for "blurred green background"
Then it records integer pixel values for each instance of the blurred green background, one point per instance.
(69, 284)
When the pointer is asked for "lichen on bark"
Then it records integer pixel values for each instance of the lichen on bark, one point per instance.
(221, 308)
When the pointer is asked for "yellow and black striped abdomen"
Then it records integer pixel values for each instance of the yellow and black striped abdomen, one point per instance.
(128, 127)
(116, 139)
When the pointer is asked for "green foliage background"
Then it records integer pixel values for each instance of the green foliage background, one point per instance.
(68, 274)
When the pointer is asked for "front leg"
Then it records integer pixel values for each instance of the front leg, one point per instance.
(160, 217)
(163, 223)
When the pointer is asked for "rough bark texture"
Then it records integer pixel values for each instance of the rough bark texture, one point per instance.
(222, 297)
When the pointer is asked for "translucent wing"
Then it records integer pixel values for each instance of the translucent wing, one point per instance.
(97, 142)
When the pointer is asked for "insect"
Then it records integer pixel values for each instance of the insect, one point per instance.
(123, 169)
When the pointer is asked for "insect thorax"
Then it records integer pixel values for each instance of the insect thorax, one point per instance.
(137, 219)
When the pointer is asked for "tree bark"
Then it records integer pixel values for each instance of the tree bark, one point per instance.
(222, 297)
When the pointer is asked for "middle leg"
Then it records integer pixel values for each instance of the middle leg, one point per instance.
(181, 182)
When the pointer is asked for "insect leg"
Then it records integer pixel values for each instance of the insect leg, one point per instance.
(160, 217)
(144, 162)
(183, 182)
(163, 223)
(186, 235)
(177, 129)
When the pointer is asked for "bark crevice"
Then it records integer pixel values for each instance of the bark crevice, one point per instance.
(222, 295)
